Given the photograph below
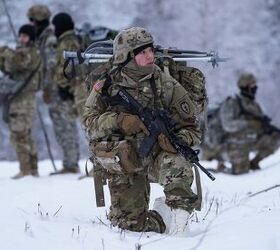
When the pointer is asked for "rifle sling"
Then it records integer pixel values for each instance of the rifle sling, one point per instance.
(11, 97)
(198, 187)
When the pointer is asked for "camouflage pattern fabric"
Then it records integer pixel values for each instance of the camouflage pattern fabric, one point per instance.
(69, 41)
(130, 191)
(62, 114)
(175, 175)
(242, 134)
(47, 43)
(19, 64)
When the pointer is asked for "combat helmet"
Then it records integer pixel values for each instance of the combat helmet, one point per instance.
(247, 80)
(128, 40)
(39, 12)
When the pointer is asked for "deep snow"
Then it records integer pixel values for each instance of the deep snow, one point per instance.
(59, 212)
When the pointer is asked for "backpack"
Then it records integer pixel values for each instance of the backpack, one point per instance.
(214, 135)
(87, 35)
(192, 79)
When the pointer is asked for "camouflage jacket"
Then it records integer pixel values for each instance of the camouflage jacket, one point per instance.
(100, 120)
(20, 63)
(46, 43)
(67, 41)
(235, 120)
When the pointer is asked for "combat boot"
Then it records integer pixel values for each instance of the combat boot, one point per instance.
(34, 173)
(179, 222)
(34, 165)
(19, 175)
(154, 222)
(254, 164)
(240, 168)
(24, 166)
(64, 170)
(221, 167)
(176, 220)
(83, 176)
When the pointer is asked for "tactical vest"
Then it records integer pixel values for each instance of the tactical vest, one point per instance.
(216, 134)
(192, 79)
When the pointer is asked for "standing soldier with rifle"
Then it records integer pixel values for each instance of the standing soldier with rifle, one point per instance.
(22, 65)
(116, 133)
(63, 123)
(72, 89)
(239, 127)
(70, 92)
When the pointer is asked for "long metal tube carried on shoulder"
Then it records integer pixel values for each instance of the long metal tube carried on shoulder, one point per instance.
(101, 52)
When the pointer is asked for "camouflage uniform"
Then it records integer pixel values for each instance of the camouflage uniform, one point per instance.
(128, 180)
(242, 131)
(66, 90)
(68, 41)
(62, 116)
(19, 64)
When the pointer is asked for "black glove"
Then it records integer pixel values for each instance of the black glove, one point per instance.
(268, 129)
(266, 119)
(65, 93)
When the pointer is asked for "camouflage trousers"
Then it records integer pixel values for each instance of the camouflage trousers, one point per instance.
(237, 153)
(130, 192)
(63, 116)
(21, 112)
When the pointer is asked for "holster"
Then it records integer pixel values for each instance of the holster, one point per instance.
(99, 178)
(118, 157)
(111, 157)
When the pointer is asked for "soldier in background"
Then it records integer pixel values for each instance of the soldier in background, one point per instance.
(239, 127)
(72, 89)
(64, 122)
(22, 65)
(115, 133)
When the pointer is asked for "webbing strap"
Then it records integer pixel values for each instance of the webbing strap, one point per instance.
(198, 187)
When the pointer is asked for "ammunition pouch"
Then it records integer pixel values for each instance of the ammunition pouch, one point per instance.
(8, 87)
(117, 157)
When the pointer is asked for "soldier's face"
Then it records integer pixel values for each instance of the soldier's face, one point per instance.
(23, 38)
(145, 57)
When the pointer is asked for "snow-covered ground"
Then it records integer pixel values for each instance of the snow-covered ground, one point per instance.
(59, 212)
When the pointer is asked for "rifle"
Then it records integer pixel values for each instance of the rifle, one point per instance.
(101, 52)
(268, 126)
(9, 98)
(10, 20)
(264, 119)
(158, 122)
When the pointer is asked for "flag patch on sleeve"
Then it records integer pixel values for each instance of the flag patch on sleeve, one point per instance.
(98, 85)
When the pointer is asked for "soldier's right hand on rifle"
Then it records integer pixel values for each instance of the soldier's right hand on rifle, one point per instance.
(165, 144)
(131, 124)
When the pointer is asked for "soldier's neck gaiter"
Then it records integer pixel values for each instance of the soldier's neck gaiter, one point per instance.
(137, 72)
(40, 26)
(249, 92)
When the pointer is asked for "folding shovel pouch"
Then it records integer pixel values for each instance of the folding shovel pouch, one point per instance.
(117, 157)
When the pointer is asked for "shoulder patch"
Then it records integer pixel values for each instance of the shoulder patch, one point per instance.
(98, 85)
(185, 107)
